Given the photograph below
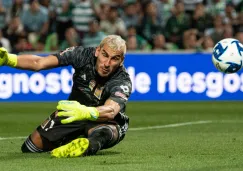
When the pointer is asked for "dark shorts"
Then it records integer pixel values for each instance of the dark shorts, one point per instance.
(55, 134)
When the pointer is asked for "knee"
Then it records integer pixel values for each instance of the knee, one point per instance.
(115, 135)
(109, 131)
(102, 137)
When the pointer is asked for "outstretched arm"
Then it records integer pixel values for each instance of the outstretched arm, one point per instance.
(36, 63)
(27, 62)
(74, 111)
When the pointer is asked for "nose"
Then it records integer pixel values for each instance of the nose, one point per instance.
(107, 62)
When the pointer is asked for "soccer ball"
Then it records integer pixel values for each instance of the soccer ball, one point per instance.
(228, 55)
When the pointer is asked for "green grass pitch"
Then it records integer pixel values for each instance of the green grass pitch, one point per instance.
(190, 136)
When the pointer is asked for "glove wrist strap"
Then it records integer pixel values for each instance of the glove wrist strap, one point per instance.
(93, 113)
(12, 60)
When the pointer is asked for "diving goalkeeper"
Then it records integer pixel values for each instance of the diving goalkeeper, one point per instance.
(93, 118)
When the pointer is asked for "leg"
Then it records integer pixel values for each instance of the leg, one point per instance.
(35, 143)
(30, 146)
(52, 134)
(100, 136)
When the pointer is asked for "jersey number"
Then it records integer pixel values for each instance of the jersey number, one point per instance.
(125, 88)
(48, 124)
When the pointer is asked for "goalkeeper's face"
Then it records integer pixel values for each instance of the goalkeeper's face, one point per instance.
(108, 60)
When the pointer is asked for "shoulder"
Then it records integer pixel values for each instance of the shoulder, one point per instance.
(120, 78)
(88, 51)
(120, 86)
(123, 74)
(79, 51)
(77, 56)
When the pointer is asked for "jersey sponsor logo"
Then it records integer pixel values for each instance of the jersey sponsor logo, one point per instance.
(119, 94)
(68, 49)
(83, 76)
(98, 91)
(92, 84)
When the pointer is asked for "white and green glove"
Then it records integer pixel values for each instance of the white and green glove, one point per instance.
(76, 112)
(7, 58)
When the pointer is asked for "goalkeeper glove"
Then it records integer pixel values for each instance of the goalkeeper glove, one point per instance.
(76, 112)
(7, 58)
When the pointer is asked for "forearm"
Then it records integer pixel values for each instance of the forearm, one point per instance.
(29, 62)
(106, 113)
(36, 63)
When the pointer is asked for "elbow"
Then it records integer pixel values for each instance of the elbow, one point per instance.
(30, 62)
(33, 65)
(37, 66)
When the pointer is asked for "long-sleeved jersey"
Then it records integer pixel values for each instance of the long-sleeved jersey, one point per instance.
(89, 88)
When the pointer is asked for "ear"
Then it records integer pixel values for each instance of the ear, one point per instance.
(97, 51)
(122, 61)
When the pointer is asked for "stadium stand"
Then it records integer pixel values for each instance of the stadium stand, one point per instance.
(161, 25)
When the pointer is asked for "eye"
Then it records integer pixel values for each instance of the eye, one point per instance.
(105, 54)
(117, 57)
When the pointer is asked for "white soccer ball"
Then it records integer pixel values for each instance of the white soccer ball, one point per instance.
(228, 55)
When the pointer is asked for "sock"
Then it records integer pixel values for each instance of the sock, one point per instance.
(29, 147)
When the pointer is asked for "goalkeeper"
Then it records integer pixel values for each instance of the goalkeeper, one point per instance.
(93, 118)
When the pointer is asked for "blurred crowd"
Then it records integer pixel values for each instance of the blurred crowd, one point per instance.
(146, 25)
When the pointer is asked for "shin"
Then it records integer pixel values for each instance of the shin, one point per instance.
(100, 137)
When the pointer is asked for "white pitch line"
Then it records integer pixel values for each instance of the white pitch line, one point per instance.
(153, 127)
(170, 125)
(11, 138)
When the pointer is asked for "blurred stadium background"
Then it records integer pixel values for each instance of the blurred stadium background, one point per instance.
(185, 115)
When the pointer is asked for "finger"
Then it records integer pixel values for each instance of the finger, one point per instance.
(65, 113)
(63, 106)
(66, 105)
(3, 50)
(68, 120)
(2, 54)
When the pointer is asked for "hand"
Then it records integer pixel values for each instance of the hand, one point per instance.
(7, 58)
(76, 112)
(3, 56)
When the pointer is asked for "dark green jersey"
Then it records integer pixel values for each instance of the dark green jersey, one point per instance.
(92, 90)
